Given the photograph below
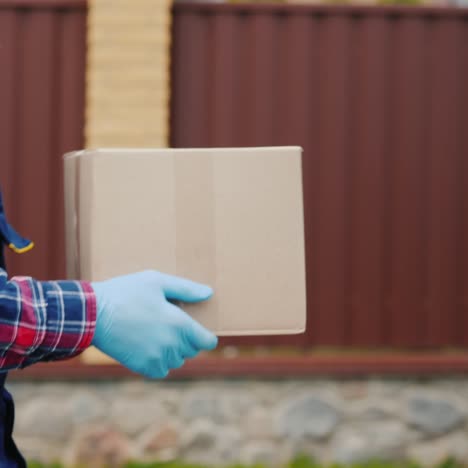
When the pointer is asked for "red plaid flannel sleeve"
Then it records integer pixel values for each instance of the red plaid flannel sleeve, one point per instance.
(43, 320)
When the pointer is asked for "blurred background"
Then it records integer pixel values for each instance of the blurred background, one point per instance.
(376, 92)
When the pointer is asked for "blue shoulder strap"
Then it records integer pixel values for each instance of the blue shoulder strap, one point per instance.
(10, 238)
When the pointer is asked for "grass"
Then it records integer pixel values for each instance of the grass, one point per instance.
(300, 462)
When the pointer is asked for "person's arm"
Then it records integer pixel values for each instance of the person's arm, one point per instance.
(129, 318)
(43, 320)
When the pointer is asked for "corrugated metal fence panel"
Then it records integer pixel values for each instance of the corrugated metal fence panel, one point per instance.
(42, 69)
(379, 100)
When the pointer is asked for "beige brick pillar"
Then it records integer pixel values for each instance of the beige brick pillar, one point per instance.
(128, 73)
(128, 83)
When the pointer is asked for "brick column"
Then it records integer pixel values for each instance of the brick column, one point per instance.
(128, 83)
(128, 73)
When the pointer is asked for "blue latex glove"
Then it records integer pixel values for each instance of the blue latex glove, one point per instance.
(138, 327)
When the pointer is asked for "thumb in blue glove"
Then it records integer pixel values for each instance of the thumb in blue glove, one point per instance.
(137, 325)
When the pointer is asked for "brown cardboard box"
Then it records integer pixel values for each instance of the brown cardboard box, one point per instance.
(230, 218)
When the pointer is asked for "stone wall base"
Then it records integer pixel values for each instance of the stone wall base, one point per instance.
(218, 422)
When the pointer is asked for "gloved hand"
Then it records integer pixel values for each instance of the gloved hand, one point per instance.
(138, 327)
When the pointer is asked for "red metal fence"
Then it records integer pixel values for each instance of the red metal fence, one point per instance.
(42, 69)
(379, 100)
(377, 97)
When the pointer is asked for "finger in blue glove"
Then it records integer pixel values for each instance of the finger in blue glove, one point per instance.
(139, 327)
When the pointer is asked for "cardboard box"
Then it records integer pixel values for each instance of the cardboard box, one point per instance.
(231, 218)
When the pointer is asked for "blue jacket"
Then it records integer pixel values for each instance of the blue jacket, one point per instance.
(10, 457)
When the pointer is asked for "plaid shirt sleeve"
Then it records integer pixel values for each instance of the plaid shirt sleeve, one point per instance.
(43, 320)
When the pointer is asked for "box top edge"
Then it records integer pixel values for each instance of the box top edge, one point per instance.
(177, 150)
